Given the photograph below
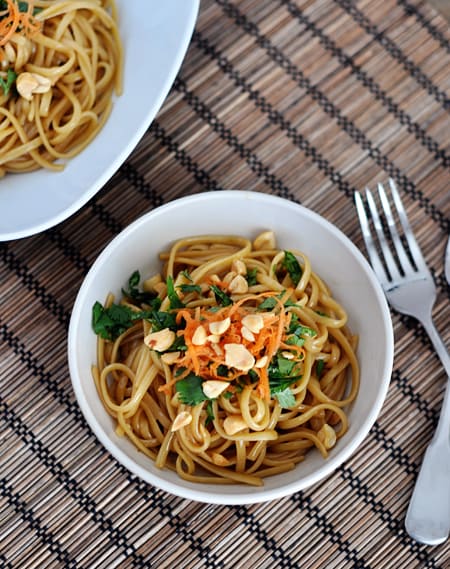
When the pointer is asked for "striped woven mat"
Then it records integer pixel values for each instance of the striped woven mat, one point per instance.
(305, 99)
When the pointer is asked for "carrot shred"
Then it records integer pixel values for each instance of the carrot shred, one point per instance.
(13, 20)
(205, 360)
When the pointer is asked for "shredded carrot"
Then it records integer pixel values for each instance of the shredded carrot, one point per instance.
(13, 20)
(205, 359)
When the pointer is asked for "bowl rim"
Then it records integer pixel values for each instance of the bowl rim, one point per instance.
(257, 495)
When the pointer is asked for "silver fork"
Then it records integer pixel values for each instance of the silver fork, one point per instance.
(410, 289)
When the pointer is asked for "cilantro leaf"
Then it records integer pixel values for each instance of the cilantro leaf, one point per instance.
(175, 301)
(320, 364)
(222, 370)
(292, 266)
(295, 340)
(281, 374)
(178, 346)
(270, 302)
(11, 76)
(286, 398)
(304, 331)
(280, 383)
(209, 412)
(189, 288)
(140, 297)
(162, 320)
(221, 297)
(251, 276)
(110, 322)
(297, 328)
(190, 390)
(284, 365)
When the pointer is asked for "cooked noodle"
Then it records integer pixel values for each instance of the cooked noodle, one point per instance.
(67, 69)
(241, 364)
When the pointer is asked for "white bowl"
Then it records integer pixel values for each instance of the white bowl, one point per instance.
(155, 37)
(333, 257)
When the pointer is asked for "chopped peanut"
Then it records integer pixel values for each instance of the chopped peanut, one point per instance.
(261, 362)
(239, 267)
(233, 424)
(160, 341)
(30, 83)
(247, 334)
(181, 420)
(254, 322)
(199, 337)
(327, 435)
(288, 355)
(229, 277)
(237, 356)
(265, 240)
(217, 349)
(213, 338)
(219, 327)
(170, 357)
(238, 285)
(213, 388)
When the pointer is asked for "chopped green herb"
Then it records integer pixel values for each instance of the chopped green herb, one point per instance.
(254, 377)
(222, 370)
(305, 331)
(297, 328)
(110, 322)
(270, 302)
(222, 298)
(161, 320)
(190, 390)
(186, 275)
(138, 296)
(320, 364)
(281, 374)
(189, 288)
(251, 276)
(292, 266)
(11, 76)
(178, 346)
(295, 340)
(286, 398)
(174, 299)
(284, 365)
(209, 413)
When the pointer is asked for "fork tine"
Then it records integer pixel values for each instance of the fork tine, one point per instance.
(405, 263)
(385, 248)
(413, 246)
(375, 260)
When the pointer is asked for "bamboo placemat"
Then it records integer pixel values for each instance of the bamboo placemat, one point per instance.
(305, 99)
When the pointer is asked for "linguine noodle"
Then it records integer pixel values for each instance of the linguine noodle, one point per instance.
(64, 65)
(231, 364)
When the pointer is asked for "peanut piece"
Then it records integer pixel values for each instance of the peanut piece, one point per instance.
(160, 341)
(181, 420)
(233, 424)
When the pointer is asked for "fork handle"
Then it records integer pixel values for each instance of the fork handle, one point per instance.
(428, 515)
(437, 343)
